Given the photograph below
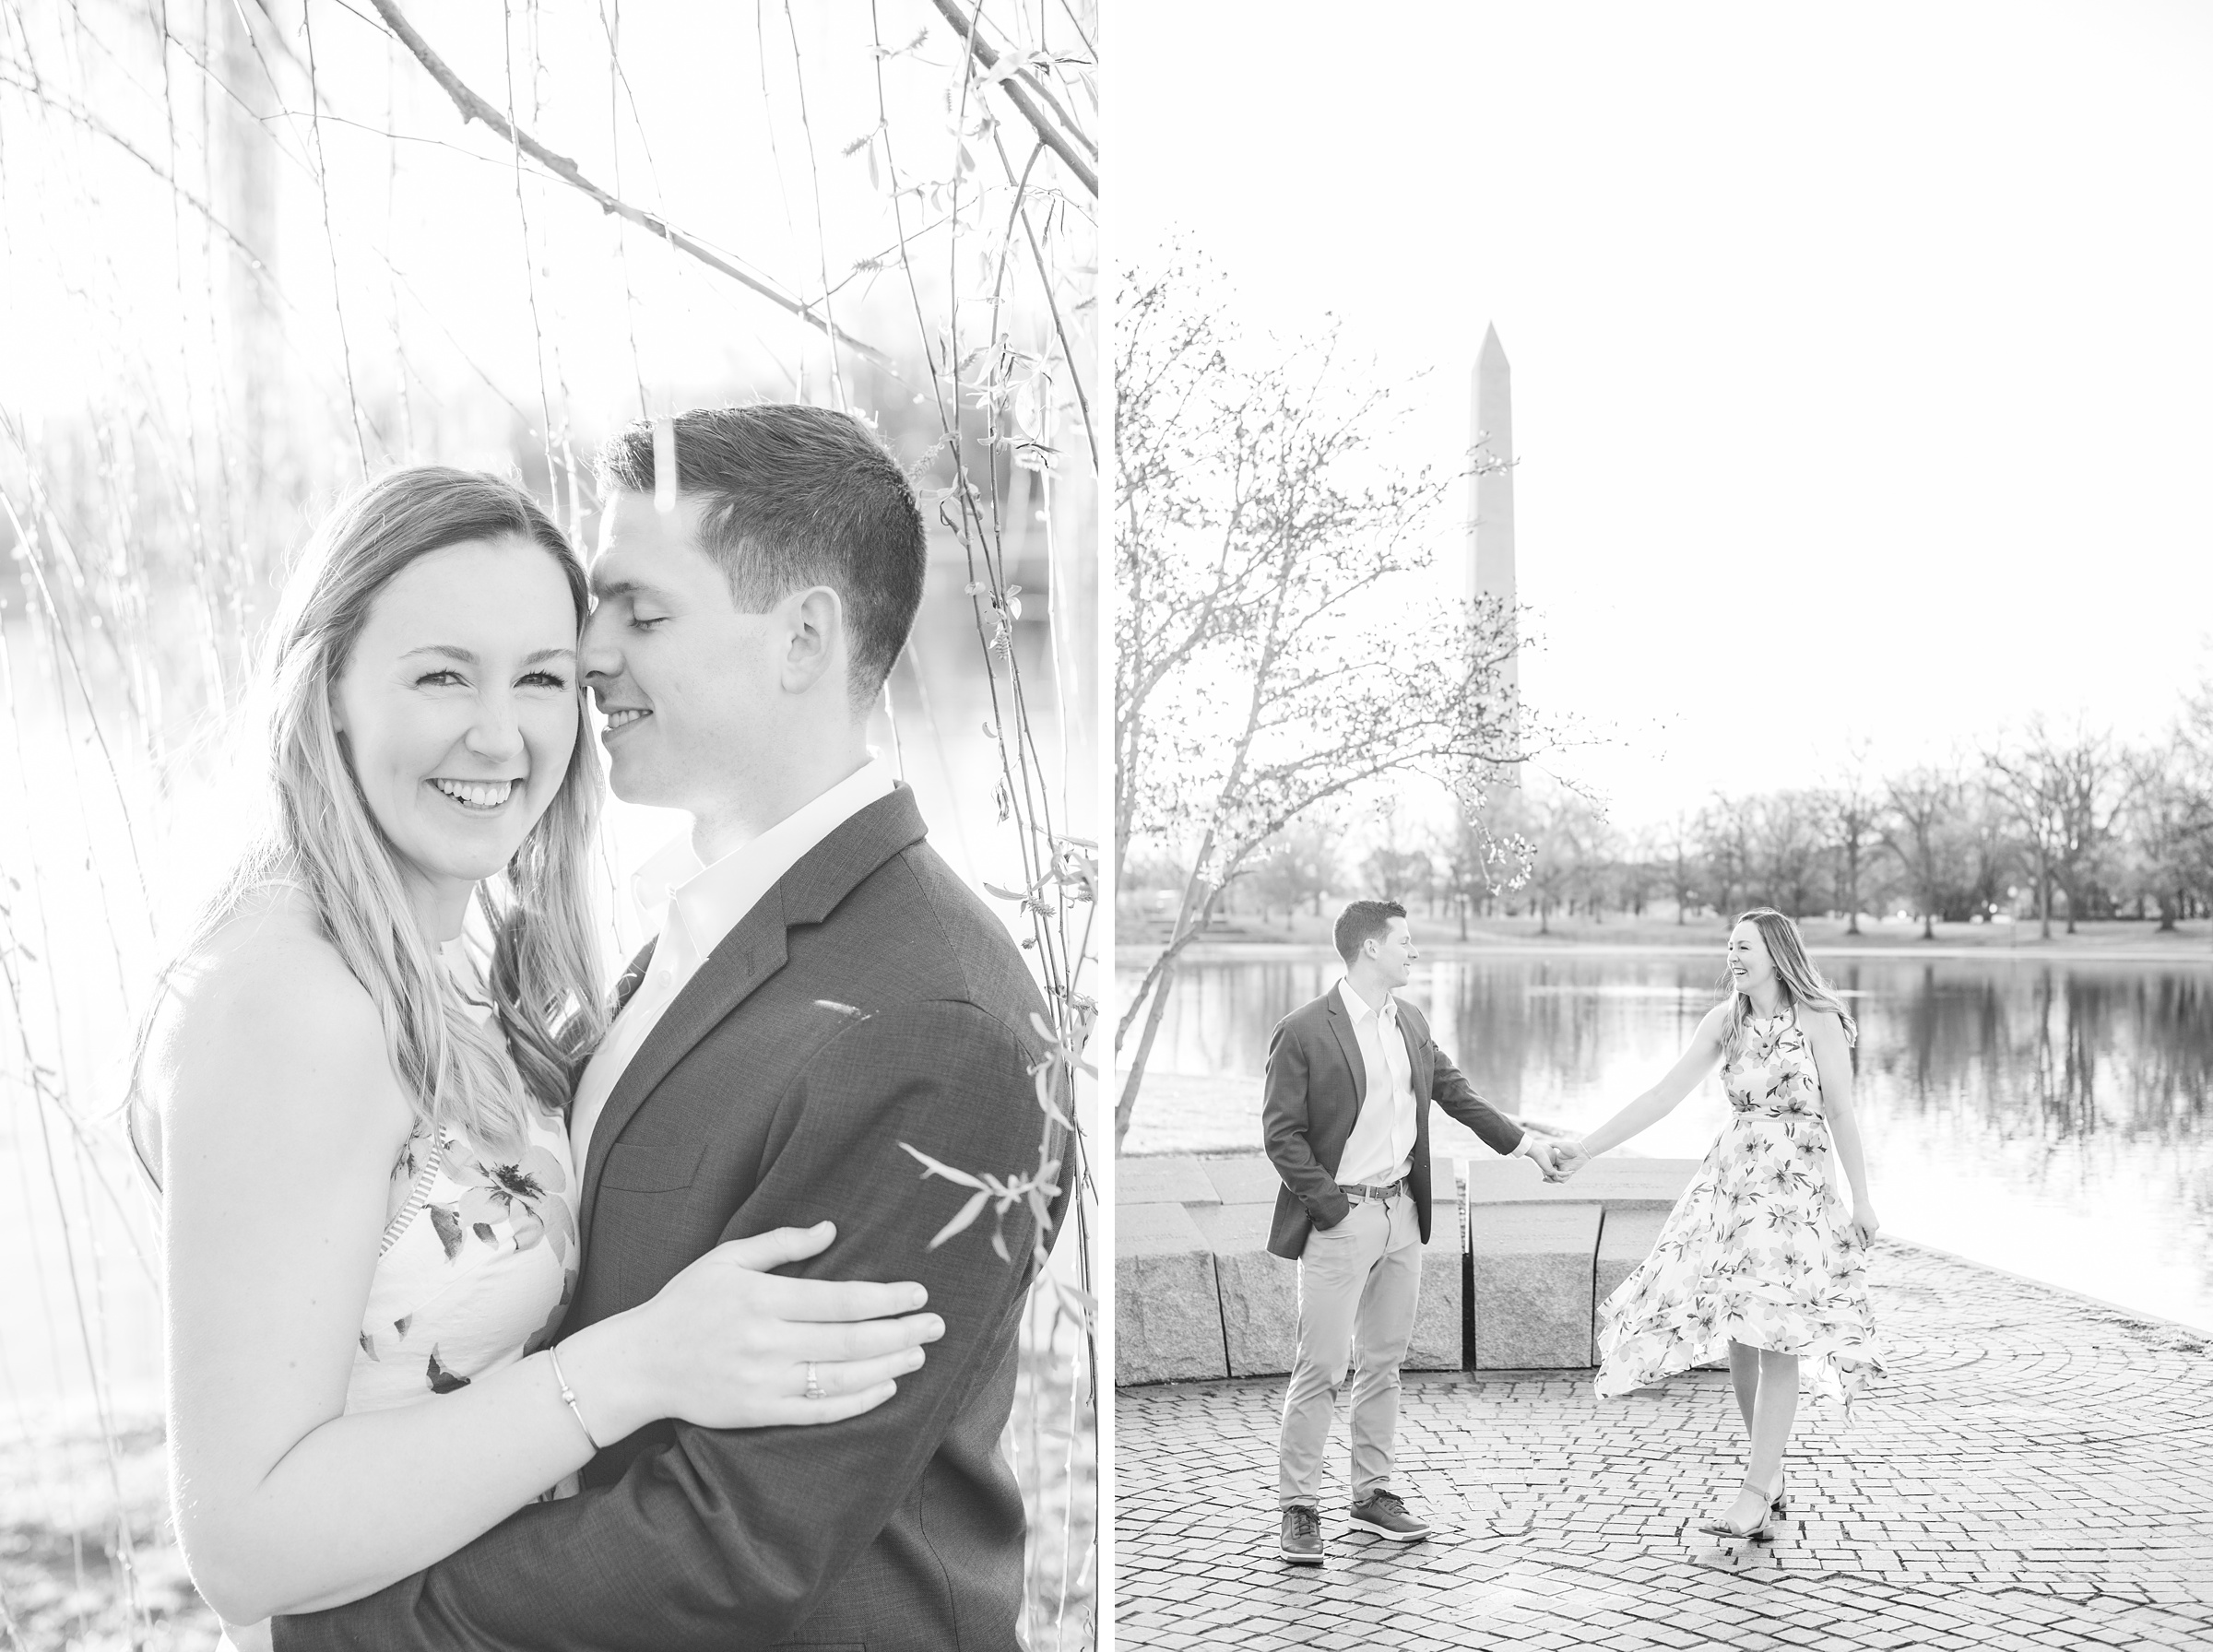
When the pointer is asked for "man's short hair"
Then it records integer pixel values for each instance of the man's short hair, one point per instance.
(1362, 922)
(797, 496)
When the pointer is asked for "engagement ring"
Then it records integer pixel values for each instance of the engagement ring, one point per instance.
(815, 1388)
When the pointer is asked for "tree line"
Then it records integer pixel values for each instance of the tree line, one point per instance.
(2057, 824)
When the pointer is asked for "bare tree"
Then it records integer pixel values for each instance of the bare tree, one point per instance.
(1467, 854)
(1555, 829)
(1298, 864)
(1920, 804)
(1255, 539)
(1787, 841)
(1852, 806)
(1678, 857)
(1724, 850)
(2068, 792)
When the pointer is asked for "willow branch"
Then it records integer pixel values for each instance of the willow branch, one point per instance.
(1048, 133)
(474, 108)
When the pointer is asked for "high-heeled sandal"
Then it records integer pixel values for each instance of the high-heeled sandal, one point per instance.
(1779, 1504)
(1755, 1533)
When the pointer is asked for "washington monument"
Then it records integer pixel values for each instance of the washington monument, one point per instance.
(1491, 490)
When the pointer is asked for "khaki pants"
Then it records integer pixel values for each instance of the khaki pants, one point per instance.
(1358, 1283)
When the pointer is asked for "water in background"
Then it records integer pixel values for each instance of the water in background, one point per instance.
(2054, 1119)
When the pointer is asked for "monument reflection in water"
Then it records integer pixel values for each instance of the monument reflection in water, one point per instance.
(2055, 1119)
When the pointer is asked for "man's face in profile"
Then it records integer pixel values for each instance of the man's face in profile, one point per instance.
(1394, 954)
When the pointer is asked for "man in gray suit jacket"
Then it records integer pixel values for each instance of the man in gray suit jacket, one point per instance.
(1350, 1079)
(823, 992)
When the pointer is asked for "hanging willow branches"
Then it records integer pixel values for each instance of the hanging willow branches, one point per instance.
(251, 250)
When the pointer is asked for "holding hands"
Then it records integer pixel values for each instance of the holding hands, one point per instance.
(1557, 1160)
(1568, 1157)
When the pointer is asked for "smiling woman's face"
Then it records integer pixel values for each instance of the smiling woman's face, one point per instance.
(459, 705)
(1749, 965)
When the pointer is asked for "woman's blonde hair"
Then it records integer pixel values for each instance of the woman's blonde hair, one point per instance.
(1802, 984)
(321, 839)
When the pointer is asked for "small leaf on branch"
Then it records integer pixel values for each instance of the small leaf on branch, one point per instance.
(968, 1213)
(933, 1168)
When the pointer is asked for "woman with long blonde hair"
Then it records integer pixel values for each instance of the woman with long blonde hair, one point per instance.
(356, 1119)
(1761, 1255)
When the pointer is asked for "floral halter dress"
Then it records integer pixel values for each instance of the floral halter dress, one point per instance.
(1759, 1249)
(477, 1266)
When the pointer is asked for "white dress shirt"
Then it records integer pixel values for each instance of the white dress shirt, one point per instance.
(1380, 1148)
(701, 904)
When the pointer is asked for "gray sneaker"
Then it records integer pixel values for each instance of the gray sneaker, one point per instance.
(1385, 1515)
(1302, 1535)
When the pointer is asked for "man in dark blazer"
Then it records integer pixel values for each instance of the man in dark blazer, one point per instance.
(1350, 1079)
(823, 993)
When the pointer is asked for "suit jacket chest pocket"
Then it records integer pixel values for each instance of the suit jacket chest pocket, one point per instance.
(651, 1166)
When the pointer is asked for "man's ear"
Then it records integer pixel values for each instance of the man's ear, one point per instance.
(814, 622)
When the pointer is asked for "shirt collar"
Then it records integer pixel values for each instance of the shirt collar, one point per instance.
(711, 899)
(1359, 1007)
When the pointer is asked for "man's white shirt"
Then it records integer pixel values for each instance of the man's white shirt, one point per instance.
(1380, 1148)
(700, 905)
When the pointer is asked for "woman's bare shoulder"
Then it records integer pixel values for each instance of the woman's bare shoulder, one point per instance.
(1822, 1027)
(265, 989)
(271, 954)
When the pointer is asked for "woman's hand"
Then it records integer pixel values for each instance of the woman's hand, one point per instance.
(728, 1344)
(1865, 1224)
(1568, 1157)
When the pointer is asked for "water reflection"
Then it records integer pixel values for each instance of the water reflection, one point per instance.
(2054, 1119)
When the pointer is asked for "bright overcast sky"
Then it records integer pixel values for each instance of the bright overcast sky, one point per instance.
(1861, 354)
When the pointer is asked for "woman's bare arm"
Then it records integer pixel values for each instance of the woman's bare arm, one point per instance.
(1663, 1098)
(282, 1119)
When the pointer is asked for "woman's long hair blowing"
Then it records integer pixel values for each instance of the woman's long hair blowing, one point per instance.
(1803, 986)
(544, 973)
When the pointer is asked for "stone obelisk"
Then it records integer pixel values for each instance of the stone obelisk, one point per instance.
(1491, 491)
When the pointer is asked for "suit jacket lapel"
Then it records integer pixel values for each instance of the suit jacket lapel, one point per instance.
(1422, 1076)
(745, 958)
(748, 955)
(1422, 1072)
(1348, 1039)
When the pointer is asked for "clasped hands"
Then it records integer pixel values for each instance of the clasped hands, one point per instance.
(1558, 1160)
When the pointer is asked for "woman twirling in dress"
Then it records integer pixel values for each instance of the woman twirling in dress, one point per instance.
(1762, 1252)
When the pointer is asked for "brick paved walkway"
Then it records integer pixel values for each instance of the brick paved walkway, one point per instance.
(2038, 1471)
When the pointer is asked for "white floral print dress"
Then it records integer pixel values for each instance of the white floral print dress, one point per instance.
(478, 1262)
(1759, 1249)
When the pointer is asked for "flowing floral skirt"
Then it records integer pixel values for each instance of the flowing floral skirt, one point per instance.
(1759, 1250)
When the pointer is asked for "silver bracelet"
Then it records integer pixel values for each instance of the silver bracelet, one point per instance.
(568, 1396)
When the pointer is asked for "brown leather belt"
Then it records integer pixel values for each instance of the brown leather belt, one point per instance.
(1363, 1190)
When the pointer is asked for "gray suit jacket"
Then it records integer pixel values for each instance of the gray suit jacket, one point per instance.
(1315, 1076)
(869, 999)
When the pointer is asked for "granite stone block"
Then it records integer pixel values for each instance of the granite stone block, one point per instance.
(1625, 1239)
(1260, 1292)
(1167, 1301)
(1437, 1344)
(1247, 1179)
(1530, 1271)
(1617, 1183)
(1161, 1179)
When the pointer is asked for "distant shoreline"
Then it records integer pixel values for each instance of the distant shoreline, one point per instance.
(2099, 942)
